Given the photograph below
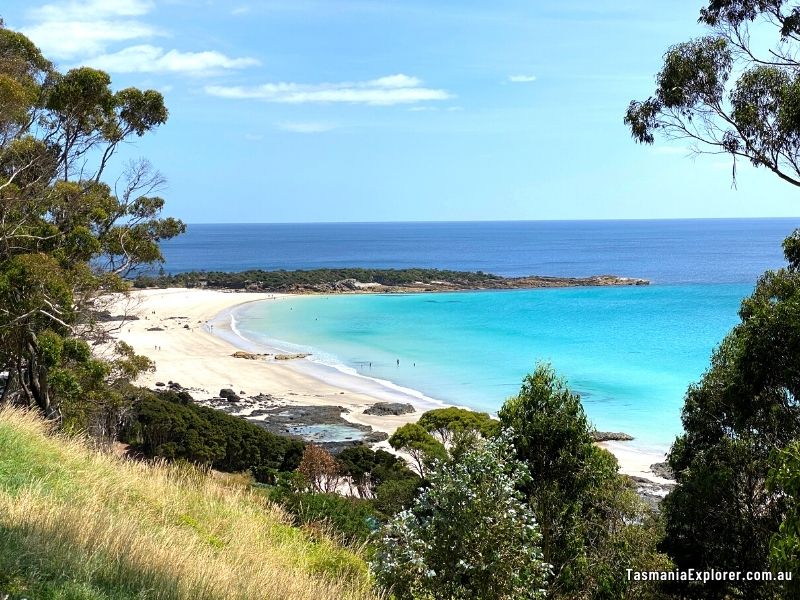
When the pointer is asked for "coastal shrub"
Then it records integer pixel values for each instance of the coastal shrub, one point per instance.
(723, 514)
(591, 520)
(320, 470)
(469, 535)
(450, 423)
(282, 280)
(366, 469)
(351, 520)
(395, 495)
(420, 445)
(734, 507)
(784, 479)
(166, 426)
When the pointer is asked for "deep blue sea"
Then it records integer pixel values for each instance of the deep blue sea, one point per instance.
(629, 352)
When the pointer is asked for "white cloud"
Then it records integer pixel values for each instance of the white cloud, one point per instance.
(90, 10)
(73, 39)
(384, 91)
(67, 30)
(150, 59)
(297, 127)
(88, 32)
(241, 10)
(522, 78)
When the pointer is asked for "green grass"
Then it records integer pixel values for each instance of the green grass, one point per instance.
(76, 523)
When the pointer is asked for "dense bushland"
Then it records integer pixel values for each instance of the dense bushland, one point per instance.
(282, 280)
(169, 425)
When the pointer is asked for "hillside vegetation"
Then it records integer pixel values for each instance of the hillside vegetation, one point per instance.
(281, 280)
(370, 280)
(82, 524)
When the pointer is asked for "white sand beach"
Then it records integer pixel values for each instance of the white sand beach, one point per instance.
(174, 328)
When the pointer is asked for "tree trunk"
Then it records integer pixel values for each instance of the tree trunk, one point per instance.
(37, 378)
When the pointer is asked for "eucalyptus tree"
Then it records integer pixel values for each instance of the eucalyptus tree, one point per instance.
(593, 524)
(735, 90)
(66, 235)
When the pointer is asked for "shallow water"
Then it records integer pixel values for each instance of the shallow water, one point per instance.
(328, 433)
(630, 352)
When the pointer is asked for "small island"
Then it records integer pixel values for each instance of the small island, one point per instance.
(382, 281)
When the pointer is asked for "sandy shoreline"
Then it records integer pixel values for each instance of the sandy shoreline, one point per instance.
(174, 328)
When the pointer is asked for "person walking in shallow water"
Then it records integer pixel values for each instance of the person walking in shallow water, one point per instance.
(398, 362)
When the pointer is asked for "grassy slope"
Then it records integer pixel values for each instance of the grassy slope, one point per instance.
(78, 524)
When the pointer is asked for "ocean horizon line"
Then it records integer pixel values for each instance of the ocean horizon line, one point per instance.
(499, 221)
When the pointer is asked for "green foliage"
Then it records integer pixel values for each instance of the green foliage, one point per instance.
(728, 512)
(419, 444)
(78, 524)
(384, 483)
(469, 535)
(722, 515)
(755, 115)
(591, 521)
(395, 495)
(286, 280)
(448, 423)
(784, 478)
(351, 520)
(66, 237)
(369, 469)
(167, 426)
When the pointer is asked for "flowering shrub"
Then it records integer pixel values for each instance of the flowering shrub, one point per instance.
(469, 535)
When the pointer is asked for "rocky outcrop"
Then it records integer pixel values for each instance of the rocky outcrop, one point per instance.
(247, 355)
(381, 409)
(292, 356)
(345, 286)
(323, 425)
(610, 436)
(229, 395)
(663, 470)
(104, 316)
(651, 492)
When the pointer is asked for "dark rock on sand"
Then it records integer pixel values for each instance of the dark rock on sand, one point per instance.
(246, 355)
(662, 469)
(610, 436)
(382, 409)
(104, 316)
(229, 395)
(291, 356)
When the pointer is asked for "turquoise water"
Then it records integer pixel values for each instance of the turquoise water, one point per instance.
(629, 352)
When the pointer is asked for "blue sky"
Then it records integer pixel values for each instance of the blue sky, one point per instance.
(357, 110)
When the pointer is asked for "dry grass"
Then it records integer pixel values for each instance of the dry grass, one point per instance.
(80, 524)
